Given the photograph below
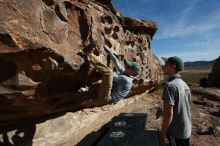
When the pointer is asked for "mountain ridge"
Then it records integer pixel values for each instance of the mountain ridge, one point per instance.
(199, 64)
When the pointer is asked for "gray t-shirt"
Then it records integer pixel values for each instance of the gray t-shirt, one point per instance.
(177, 93)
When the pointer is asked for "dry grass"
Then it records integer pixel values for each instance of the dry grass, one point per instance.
(193, 76)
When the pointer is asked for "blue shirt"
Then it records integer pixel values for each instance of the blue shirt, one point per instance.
(121, 83)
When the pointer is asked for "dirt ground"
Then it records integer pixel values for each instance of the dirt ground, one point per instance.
(205, 110)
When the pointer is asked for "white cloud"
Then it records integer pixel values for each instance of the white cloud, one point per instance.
(184, 30)
(211, 43)
(181, 28)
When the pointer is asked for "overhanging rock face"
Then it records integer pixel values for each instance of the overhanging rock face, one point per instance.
(42, 69)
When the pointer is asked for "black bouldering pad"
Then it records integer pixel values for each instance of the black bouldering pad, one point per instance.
(128, 121)
(115, 137)
(119, 137)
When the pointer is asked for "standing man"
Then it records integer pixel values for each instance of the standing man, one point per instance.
(113, 87)
(176, 96)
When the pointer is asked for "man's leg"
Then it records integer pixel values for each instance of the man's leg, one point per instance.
(104, 92)
(182, 142)
(178, 142)
(171, 141)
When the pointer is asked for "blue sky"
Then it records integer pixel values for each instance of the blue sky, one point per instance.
(189, 29)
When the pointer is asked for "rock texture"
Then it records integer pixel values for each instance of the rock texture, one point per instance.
(214, 78)
(42, 69)
(65, 130)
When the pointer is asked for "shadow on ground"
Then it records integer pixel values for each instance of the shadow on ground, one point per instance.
(23, 136)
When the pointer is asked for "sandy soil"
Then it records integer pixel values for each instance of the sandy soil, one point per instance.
(205, 115)
(205, 108)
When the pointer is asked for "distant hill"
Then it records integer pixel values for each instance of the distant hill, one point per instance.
(199, 64)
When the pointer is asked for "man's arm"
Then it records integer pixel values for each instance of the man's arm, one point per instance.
(115, 61)
(167, 118)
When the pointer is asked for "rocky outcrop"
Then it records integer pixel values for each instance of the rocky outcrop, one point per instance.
(42, 68)
(66, 128)
(214, 79)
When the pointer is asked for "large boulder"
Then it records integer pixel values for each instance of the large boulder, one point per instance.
(214, 78)
(42, 68)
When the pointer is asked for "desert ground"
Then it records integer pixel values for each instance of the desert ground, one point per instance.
(205, 108)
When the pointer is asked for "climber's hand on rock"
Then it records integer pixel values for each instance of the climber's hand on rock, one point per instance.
(106, 48)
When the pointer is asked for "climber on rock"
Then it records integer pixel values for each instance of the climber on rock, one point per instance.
(113, 87)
